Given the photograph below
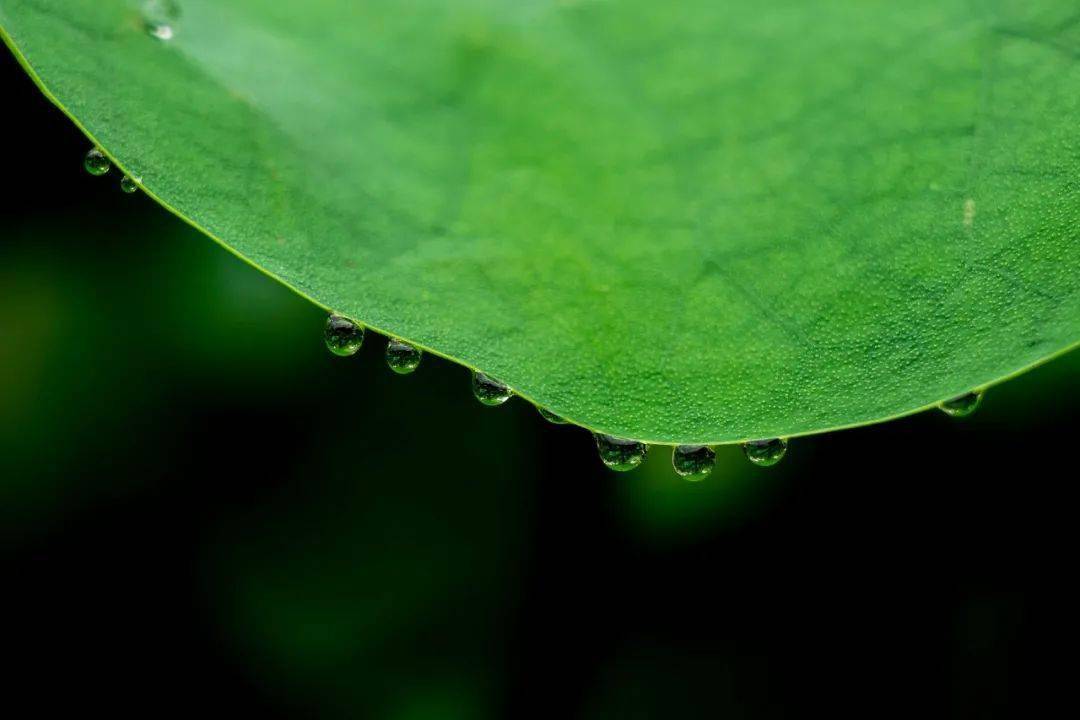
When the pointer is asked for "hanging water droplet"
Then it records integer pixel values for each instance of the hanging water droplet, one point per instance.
(693, 462)
(402, 357)
(128, 185)
(488, 390)
(618, 454)
(550, 416)
(159, 18)
(95, 162)
(962, 406)
(765, 452)
(343, 336)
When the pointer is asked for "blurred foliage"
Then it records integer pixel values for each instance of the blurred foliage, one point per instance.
(383, 539)
(108, 324)
(376, 575)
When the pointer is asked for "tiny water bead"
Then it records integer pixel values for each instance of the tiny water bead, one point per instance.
(962, 406)
(159, 17)
(343, 336)
(160, 31)
(550, 416)
(765, 452)
(488, 390)
(95, 162)
(693, 462)
(128, 185)
(402, 357)
(618, 454)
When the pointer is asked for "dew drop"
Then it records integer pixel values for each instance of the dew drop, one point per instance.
(618, 454)
(488, 390)
(962, 406)
(159, 18)
(550, 416)
(128, 185)
(402, 357)
(161, 32)
(343, 336)
(693, 462)
(95, 162)
(765, 452)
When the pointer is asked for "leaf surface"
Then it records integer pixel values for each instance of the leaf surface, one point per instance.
(693, 222)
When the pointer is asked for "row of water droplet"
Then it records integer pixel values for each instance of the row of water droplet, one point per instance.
(97, 164)
(693, 462)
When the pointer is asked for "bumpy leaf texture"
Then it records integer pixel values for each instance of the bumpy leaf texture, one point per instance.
(679, 222)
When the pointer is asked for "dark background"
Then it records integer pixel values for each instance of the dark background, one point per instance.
(201, 510)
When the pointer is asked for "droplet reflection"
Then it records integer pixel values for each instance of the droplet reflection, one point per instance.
(402, 357)
(490, 391)
(96, 163)
(963, 405)
(693, 462)
(618, 454)
(550, 416)
(765, 452)
(343, 336)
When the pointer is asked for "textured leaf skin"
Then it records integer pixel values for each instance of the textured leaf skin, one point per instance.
(697, 223)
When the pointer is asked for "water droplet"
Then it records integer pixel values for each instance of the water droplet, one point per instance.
(128, 185)
(693, 462)
(765, 452)
(159, 18)
(619, 454)
(343, 336)
(402, 357)
(488, 390)
(550, 416)
(161, 32)
(962, 406)
(95, 162)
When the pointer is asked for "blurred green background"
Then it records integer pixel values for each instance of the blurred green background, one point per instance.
(201, 507)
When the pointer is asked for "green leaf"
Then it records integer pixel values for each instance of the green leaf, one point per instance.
(699, 222)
